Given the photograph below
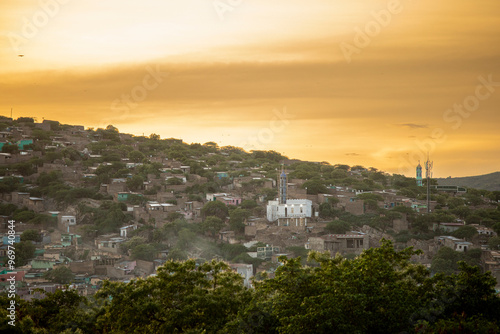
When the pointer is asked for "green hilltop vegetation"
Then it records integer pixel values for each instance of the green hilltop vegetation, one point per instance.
(380, 291)
(489, 182)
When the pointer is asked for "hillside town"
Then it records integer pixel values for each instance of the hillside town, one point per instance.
(81, 206)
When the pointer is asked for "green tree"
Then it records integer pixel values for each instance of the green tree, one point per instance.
(40, 134)
(51, 156)
(454, 202)
(370, 196)
(230, 251)
(60, 274)
(212, 224)
(10, 148)
(379, 177)
(299, 251)
(26, 120)
(111, 128)
(465, 232)
(182, 298)
(132, 243)
(215, 208)
(315, 187)
(338, 227)
(248, 204)
(269, 193)
(469, 292)
(174, 181)
(473, 198)
(494, 243)
(459, 323)
(326, 210)
(154, 136)
(25, 251)
(338, 174)
(177, 254)
(237, 218)
(385, 219)
(496, 228)
(342, 167)
(9, 184)
(185, 239)
(403, 209)
(146, 252)
(71, 153)
(53, 178)
(380, 291)
(7, 209)
(363, 295)
(58, 312)
(109, 217)
(135, 182)
(24, 216)
(174, 216)
(422, 223)
(461, 211)
(136, 156)
(136, 199)
(31, 235)
(445, 261)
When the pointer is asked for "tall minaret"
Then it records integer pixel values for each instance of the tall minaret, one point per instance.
(419, 175)
(283, 184)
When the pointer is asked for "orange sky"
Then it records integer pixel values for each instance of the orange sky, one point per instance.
(294, 76)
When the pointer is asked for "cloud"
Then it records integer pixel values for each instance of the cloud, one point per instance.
(414, 126)
(228, 76)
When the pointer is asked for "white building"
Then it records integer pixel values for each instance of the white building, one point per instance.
(245, 270)
(456, 244)
(126, 229)
(295, 212)
(65, 222)
(68, 220)
(288, 212)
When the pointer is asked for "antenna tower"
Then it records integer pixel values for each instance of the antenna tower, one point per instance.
(428, 174)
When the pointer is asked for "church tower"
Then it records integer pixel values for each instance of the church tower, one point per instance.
(419, 175)
(283, 185)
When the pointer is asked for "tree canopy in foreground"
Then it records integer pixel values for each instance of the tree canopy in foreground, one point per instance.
(380, 291)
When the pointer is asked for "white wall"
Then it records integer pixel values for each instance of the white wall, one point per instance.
(294, 208)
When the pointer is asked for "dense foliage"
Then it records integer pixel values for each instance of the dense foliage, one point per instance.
(380, 291)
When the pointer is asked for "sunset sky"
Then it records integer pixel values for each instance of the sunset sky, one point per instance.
(358, 82)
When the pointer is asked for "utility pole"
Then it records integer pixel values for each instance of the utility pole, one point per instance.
(428, 174)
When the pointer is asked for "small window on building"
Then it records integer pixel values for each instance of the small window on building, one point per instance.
(350, 243)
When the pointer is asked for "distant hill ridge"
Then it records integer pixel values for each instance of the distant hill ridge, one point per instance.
(489, 182)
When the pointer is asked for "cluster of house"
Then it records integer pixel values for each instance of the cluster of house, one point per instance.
(290, 220)
(22, 137)
(91, 264)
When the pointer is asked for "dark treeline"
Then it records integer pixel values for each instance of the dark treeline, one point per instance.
(380, 291)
